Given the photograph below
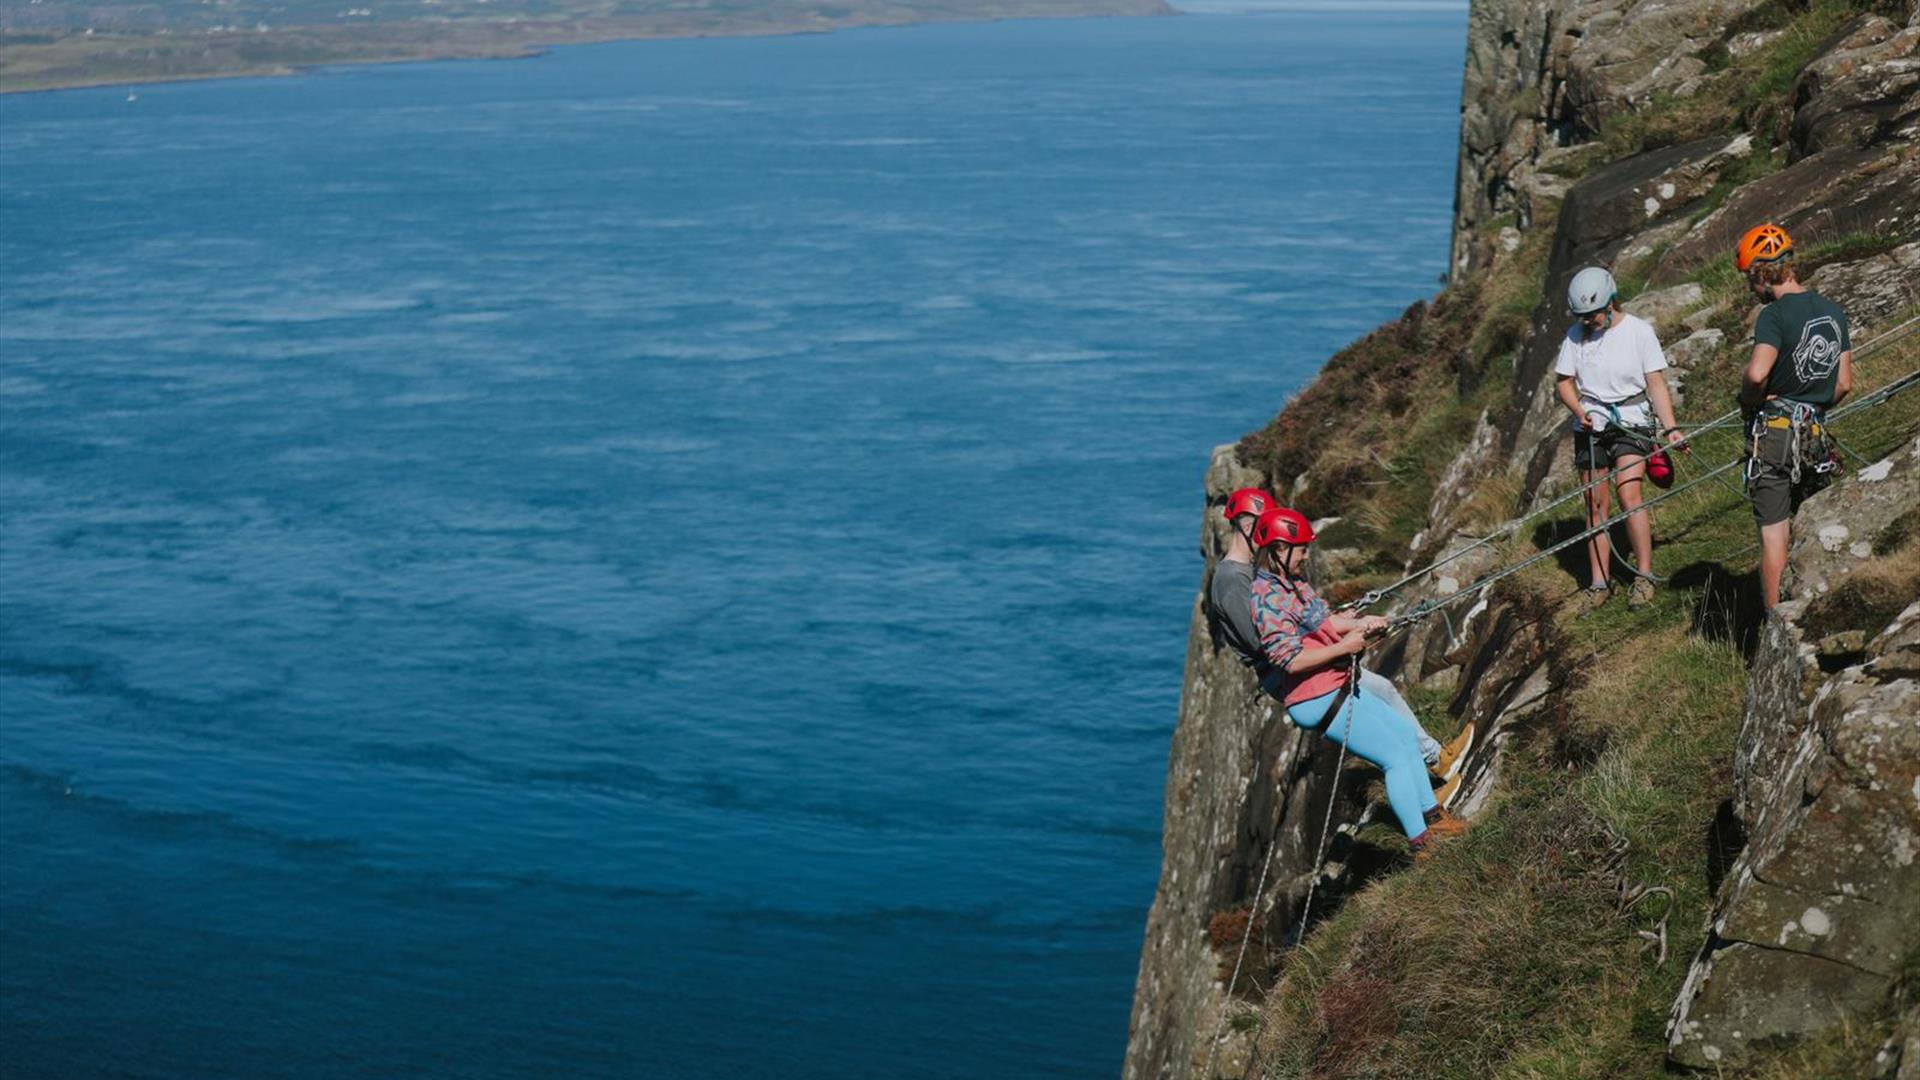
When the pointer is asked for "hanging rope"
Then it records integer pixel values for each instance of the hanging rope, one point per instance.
(1333, 794)
(1259, 890)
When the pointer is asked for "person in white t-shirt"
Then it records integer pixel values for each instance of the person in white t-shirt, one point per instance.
(1610, 379)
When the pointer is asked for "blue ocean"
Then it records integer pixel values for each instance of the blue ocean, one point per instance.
(669, 559)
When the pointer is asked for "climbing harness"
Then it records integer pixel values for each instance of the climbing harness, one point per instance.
(1807, 443)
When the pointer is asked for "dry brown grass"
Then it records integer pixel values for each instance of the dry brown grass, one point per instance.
(1870, 597)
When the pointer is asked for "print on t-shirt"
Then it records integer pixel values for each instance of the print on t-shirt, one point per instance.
(1810, 334)
(1819, 349)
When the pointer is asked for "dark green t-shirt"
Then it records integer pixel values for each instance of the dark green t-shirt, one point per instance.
(1811, 332)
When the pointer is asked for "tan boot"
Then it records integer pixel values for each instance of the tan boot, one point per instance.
(1640, 595)
(1445, 792)
(1441, 828)
(1454, 754)
(1591, 600)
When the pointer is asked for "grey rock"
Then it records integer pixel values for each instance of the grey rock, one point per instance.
(1752, 42)
(1902, 1059)
(1659, 305)
(1872, 291)
(1832, 193)
(1695, 349)
(1865, 86)
(1699, 319)
(1817, 913)
(1240, 778)
(1544, 74)
(1467, 470)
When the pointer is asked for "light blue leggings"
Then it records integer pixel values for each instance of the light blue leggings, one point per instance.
(1379, 735)
(1375, 683)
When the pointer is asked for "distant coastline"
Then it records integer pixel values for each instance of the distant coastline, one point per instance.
(36, 62)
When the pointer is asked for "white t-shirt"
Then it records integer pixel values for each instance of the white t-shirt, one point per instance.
(1612, 366)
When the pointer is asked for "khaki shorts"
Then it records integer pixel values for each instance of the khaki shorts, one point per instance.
(1770, 483)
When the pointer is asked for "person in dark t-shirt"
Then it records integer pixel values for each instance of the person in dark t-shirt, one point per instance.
(1802, 364)
(1228, 606)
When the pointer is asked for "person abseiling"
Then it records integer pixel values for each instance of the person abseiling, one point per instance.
(1308, 648)
(1232, 582)
(1609, 376)
(1802, 364)
(1230, 596)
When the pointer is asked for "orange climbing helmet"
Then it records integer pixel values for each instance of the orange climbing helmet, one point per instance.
(1247, 500)
(1762, 243)
(1282, 525)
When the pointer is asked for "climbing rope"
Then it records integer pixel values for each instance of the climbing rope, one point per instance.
(1260, 888)
(1374, 596)
(1320, 852)
(1439, 604)
(1428, 607)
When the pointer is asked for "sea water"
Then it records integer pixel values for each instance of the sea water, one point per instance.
(669, 559)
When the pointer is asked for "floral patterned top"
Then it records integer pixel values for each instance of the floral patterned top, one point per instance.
(1291, 617)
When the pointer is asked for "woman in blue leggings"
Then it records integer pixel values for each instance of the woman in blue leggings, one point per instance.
(1309, 647)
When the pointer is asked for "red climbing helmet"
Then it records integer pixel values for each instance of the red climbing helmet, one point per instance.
(1282, 525)
(1762, 243)
(1247, 500)
(1660, 469)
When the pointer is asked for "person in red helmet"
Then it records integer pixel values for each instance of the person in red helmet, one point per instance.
(1802, 365)
(1232, 580)
(1230, 616)
(1309, 650)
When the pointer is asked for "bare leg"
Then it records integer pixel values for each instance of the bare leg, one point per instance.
(1640, 525)
(1773, 560)
(1600, 548)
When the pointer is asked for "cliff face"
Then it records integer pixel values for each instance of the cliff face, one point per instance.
(1644, 135)
(1819, 913)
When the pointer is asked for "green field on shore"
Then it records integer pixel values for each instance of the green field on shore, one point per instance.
(55, 44)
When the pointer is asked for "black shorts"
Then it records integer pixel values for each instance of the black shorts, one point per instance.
(1599, 452)
(1770, 484)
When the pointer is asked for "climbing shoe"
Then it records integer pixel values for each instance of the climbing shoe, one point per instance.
(1640, 594)
(1454, 754)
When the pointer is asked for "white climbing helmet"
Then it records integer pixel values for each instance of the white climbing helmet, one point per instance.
(1590, 290)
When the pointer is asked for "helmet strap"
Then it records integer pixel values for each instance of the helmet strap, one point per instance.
(1282, 561)
(1245, 534)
